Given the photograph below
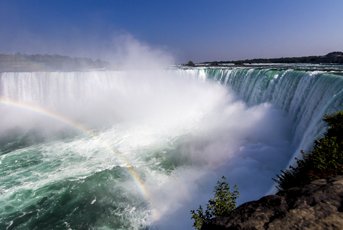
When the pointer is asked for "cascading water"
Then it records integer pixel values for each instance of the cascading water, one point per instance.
(140, 149)
(304, 96)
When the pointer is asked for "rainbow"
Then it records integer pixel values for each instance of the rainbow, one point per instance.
(130, 170)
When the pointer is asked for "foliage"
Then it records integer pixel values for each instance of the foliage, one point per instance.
(239, 63)
(333, 57)
(223, 201)
(190, 63)
(326, 158)
(214, 63)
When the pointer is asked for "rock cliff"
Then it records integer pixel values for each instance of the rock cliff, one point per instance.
(318, 205)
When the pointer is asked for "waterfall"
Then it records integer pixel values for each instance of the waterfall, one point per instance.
(304, 96)
(140, 149)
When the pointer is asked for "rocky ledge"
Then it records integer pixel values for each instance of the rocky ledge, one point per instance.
(318, 205)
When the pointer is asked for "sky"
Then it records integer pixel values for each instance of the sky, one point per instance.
(199, 30)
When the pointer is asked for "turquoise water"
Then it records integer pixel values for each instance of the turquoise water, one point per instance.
(71, 142)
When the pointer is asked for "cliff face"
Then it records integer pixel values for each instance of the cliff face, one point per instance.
(318, 205)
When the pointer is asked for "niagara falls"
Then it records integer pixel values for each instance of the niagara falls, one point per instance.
(117, 115)
(121, 141)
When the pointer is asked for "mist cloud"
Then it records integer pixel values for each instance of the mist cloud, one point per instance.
(134, 53)
(154, 117)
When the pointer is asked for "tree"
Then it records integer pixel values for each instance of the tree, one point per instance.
(190, 63)
(326, 158)
(239, 63)
(223, 201)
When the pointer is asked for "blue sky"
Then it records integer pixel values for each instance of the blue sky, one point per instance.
(189, 30)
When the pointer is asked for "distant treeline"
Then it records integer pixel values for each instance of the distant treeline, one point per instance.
(38, 62)
(330, 58)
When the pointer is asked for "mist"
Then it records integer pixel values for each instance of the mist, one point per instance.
(180, 133)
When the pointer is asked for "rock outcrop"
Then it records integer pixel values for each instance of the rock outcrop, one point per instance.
(318, 205)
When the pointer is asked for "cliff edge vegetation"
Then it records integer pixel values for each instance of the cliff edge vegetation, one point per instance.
(310, 192)
(224, 200)
(326, 158)
(330, 58)
(317, 205)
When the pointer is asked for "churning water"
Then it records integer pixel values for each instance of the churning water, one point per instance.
(140, 149)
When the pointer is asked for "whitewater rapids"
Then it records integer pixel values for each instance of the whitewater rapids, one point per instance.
(140, 149)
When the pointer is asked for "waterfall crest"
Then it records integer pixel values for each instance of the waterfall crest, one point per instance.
(304, 96)
(177, 128)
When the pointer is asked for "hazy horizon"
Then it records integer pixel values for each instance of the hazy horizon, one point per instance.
(193, 30)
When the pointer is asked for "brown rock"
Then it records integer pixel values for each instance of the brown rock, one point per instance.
(318, 205)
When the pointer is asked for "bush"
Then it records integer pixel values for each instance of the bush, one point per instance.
(223, 201)
(326, 158)
(190, 63)
(238, 63)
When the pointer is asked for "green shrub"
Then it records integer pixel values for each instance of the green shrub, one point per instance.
(326, 158)
(223, 201)
(190, 63)
(238, 63)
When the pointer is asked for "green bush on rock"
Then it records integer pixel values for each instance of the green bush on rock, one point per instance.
(326, 158)
(223, 201)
